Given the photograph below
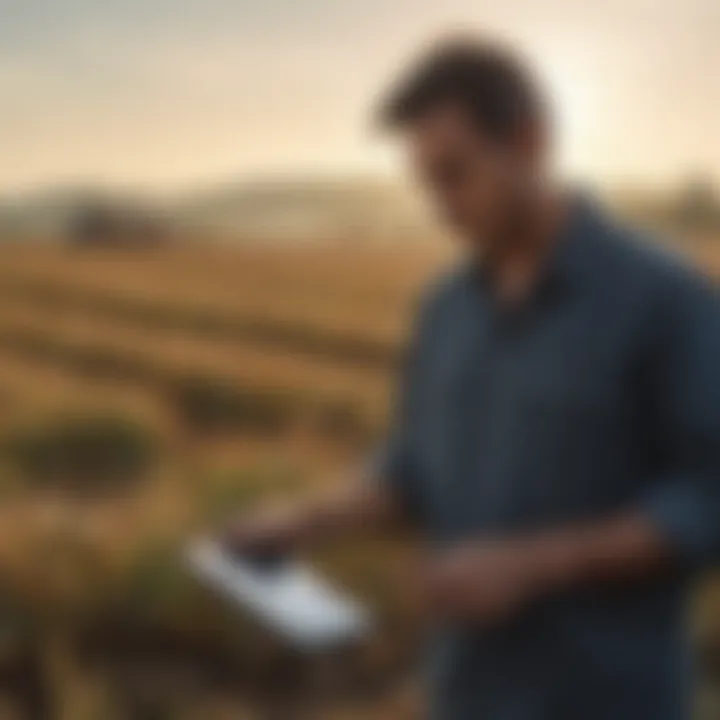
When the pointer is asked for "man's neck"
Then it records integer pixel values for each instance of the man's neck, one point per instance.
(518, 258)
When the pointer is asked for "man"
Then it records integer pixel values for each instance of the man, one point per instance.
(558, 437)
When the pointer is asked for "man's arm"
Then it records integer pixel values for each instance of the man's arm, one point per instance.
(353, 507)
(379, 495)
(673, 524)
(490, 580)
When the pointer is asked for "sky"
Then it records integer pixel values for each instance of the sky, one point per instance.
(170, 94)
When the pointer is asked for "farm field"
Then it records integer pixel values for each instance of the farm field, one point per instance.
(146, 396)
(198, 381)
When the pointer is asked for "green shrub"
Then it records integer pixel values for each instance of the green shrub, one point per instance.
(160, 596)
(159, 580)
(212, 405)
(87, 451)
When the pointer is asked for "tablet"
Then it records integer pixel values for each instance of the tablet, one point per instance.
(287, 596)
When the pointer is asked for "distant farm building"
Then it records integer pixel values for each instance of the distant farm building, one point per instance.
(101, 225)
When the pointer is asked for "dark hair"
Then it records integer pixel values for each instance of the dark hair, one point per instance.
(483, 77)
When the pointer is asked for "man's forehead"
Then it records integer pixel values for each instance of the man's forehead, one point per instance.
(445, 125)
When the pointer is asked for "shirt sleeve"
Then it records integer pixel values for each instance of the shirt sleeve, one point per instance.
(393, 464)
(684, 376)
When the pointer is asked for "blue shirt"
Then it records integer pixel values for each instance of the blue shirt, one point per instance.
(601, 394)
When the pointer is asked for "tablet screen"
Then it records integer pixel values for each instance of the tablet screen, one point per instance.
(286, 595)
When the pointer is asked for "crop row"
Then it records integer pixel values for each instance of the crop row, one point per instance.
(354, 277)
(286, 334)
(350, 293)
(203, 401)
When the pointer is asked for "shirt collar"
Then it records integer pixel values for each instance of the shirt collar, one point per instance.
(572, 259)
(573, 256)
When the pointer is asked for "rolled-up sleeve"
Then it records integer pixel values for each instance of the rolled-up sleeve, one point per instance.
(683, 500)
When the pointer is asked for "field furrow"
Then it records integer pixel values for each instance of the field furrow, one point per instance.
(363, 294)
(301, 337)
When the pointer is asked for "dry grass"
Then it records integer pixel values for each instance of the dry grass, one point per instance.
(366, 292)
(113, 333)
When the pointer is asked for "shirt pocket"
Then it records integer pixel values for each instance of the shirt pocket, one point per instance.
(568, 449)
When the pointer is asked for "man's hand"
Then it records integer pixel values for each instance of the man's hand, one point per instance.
(274, 531)
(487, 582)
(350, 508)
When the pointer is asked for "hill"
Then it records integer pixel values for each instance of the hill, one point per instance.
(272, 208)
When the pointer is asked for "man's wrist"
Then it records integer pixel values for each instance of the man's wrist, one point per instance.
(618, 548)
(554, 562)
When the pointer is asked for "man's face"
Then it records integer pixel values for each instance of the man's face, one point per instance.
(475, 183)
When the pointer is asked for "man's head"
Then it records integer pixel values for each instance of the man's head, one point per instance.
(477, 133)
